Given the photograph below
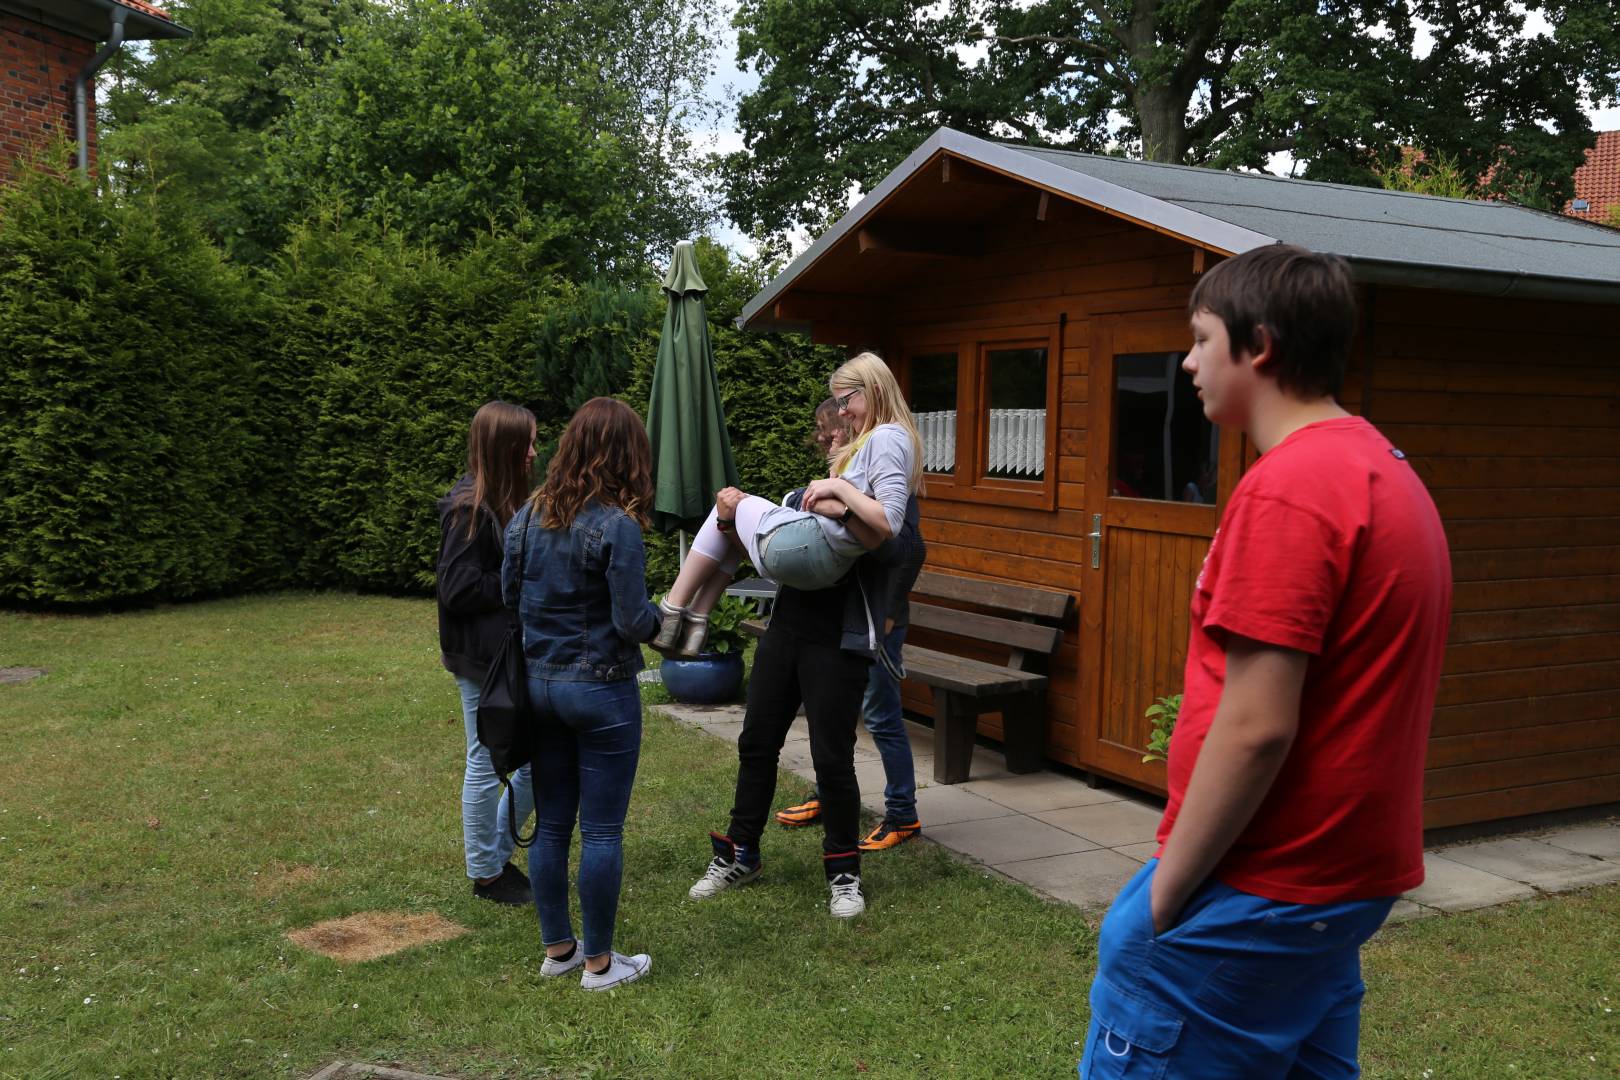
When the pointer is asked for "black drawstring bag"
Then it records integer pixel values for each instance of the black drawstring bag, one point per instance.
(505, 725)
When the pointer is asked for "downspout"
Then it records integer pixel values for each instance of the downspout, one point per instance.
(81, 83)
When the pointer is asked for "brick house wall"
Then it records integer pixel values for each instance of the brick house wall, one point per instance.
(37, 66)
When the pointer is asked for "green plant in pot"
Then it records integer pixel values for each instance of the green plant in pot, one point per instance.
(716, 674)
(1162, 714)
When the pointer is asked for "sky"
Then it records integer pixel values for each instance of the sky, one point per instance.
(729, 82)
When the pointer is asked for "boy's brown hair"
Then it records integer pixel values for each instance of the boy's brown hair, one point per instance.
(1304, 300)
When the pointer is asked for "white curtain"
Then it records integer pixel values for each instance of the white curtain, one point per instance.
(1017, 441)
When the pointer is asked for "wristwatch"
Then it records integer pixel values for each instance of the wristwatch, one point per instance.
(843, 519)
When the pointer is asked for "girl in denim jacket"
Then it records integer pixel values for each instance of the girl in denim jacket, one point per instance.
(575, 573)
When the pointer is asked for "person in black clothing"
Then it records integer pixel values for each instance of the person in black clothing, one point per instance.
(473, 621)
(818, 651)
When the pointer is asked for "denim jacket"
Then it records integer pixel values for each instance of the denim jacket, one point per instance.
(581, 595)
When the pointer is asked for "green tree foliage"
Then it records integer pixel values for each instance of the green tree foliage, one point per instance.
(131, 444)
(426, 123)
(1427, 174)
(847, 89)
(191, 116)
(635, 70)
(585, 346)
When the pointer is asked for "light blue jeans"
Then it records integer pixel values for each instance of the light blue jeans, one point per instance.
(485, 825)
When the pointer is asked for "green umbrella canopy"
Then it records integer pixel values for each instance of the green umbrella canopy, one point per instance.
(691, 451)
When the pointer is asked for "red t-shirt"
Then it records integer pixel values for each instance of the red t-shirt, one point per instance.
(1332, 546)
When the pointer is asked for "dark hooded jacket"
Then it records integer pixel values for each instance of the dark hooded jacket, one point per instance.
(473, 619)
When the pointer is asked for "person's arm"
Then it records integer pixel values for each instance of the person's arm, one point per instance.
(889, 471)
(1248, 740)
(634, 616)
(511, 573)
(466, 586)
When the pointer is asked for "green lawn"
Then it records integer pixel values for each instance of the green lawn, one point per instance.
(190, 783)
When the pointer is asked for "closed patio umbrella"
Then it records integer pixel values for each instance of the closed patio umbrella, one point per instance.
(691, 451)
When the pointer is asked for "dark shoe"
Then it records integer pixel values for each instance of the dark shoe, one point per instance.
(806, 813)
(511, 888)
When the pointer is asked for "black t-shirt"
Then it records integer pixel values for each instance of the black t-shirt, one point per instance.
(816, 616)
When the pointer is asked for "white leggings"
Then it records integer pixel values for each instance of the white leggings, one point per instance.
(710, 541)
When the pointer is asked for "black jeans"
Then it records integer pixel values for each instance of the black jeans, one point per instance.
(830, 683)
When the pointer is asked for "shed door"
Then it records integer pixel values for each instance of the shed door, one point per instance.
(1156, 474)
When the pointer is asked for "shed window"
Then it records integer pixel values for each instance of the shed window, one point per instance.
(1164, 447)
(933, 404)
(1015, 435)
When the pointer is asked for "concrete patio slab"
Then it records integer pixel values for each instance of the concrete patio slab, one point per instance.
(1405, 911)
(949, 804)
(1006, 839)
(1140, 852)
(1535, 863)
(1034, 792)
(1087, 879)
(1112, 824)
(1601, 840)
(1451, 886)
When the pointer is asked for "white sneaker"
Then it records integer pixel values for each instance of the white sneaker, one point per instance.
(552, 968)
(721, 875)
(621, 969)
(847, 901)
(724, 872)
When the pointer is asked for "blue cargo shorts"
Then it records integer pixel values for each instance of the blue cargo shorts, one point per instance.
(1241, 987)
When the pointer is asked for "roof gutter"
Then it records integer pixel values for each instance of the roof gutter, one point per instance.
(81, 84)
(1491, 283)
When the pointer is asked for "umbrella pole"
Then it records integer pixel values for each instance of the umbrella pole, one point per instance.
(680, 547)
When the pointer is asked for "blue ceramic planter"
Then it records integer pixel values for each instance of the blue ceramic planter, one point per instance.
(709, 679)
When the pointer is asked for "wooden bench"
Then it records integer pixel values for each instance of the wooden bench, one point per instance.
(1025, 620)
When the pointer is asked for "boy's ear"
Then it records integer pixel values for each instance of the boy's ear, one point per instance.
(1263, 347)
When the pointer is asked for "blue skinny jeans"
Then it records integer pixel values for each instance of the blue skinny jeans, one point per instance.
(587, 745)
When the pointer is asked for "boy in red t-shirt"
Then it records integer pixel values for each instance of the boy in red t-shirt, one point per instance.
(1319, 624)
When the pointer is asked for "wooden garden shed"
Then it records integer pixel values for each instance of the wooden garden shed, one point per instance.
(1033, 304)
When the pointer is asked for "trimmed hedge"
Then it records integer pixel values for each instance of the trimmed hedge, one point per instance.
(129, 438)
(173, 426)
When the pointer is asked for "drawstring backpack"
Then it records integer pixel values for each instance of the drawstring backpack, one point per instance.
(505, 725)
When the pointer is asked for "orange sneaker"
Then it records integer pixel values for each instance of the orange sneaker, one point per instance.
(890, 835)
(806, 813)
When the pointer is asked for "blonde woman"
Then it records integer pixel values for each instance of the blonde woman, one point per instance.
(824, 635)
(861, 504)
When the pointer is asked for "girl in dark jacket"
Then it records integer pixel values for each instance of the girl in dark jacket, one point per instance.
(473, 621)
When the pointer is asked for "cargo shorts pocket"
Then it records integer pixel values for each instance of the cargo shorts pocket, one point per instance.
(1130, 1038)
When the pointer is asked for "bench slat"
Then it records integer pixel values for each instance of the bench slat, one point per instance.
(972, 678)
(1019, 599)
(1032, 637)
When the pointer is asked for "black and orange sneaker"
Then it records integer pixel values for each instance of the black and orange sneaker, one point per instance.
(806, 813)
(890, 834)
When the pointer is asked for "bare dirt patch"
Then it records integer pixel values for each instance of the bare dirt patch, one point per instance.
(279, 876)
(368, 935)
(19, 674)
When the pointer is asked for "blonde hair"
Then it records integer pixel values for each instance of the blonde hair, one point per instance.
(885, 404)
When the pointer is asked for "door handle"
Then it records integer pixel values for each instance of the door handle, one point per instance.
(1096, 540)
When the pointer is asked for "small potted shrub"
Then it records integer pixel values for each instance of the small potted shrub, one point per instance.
(714, 675)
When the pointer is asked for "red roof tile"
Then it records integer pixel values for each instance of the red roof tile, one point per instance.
(150, 9)
(1598, 181)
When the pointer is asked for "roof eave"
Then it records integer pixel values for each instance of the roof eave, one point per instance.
(1200, 229)
(138, 25)
(1492, 283)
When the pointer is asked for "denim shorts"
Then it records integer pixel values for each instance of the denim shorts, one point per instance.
(798, 554)
(1240, 988)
